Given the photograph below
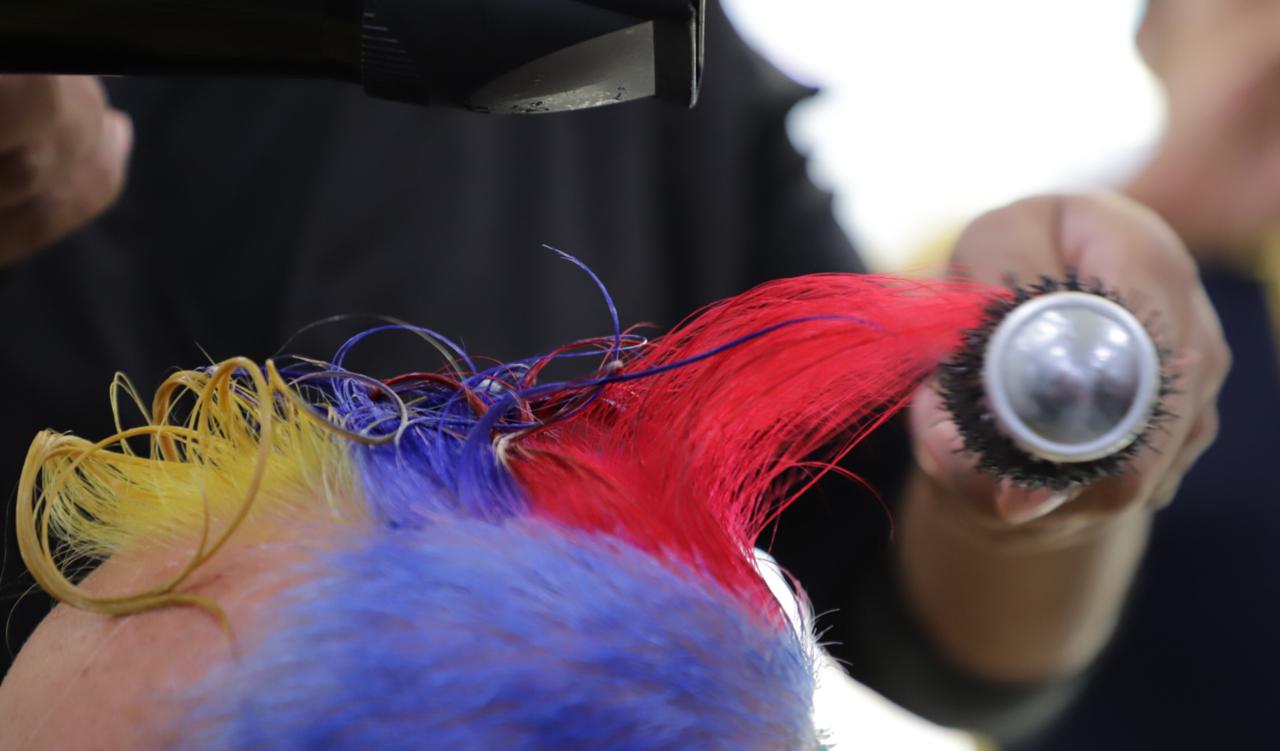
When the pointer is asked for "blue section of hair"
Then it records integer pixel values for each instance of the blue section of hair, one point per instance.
(521, 636)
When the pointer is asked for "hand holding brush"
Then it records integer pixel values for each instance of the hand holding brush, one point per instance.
(1047, 443)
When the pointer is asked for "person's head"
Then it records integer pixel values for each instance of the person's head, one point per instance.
(467, 636)
(1170, 29)
(375, 599)
(1215, 176)
(313, 558)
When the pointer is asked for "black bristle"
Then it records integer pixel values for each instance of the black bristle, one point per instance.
(960, 385)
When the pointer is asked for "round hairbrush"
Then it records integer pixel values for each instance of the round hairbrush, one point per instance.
(1060, 385)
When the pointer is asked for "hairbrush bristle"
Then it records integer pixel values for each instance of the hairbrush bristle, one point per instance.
(960, 383)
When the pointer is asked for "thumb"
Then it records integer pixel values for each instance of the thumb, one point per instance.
(940, 454)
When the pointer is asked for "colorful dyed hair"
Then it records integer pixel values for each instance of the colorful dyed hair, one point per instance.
(524, 564)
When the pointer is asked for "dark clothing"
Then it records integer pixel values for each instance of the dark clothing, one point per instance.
(1196, 661)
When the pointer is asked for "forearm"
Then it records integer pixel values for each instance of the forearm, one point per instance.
(1014, 604)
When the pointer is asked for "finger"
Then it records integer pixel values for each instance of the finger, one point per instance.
(33, 167)
(82, 106)
(1198, 441)
(1096, 235)
(1204, 429)
(1103, 235)
(938, 442)
(93, 184)
(27, 171)
(939, 448)
(28, 105)
(1016, 242)
(1133, 252)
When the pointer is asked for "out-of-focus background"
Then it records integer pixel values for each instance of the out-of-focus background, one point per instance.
(931, 111)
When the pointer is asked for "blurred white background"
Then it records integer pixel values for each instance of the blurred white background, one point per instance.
(934, 110)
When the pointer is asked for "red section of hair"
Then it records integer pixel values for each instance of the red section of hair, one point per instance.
(691, 464)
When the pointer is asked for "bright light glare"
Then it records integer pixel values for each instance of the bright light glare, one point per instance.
(934, 110)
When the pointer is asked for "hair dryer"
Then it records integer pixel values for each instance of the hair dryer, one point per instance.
(501, 56)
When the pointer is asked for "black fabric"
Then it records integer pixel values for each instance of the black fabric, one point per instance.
(1195, 664)
(255, 209)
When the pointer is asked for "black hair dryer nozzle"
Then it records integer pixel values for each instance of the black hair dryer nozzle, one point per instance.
(502, 56)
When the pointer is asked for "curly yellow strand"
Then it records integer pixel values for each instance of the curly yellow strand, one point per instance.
(251, 450)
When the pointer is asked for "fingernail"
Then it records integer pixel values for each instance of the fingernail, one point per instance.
(1018, 505)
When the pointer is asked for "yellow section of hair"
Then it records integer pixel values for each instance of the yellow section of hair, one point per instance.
(230, 449)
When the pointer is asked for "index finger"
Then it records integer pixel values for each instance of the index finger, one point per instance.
(1017, 242)
(1107, 233)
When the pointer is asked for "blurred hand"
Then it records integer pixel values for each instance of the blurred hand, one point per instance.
(63, 154)
(1132, 252)
(1215, 176)
(1024, 586)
